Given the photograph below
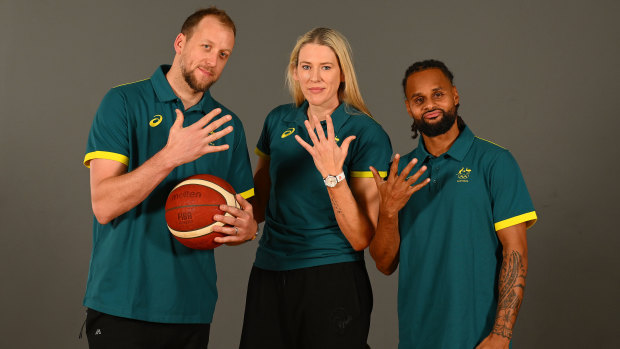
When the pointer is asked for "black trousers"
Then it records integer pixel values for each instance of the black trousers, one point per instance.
(112, 332)
(319, 307)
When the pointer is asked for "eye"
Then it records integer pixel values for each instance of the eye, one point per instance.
(305, 67)
(418, 100)
(326, 67)
(206, 46)
(438, 94)
(224, 55)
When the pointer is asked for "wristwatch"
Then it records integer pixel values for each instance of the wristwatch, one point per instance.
(331, 181)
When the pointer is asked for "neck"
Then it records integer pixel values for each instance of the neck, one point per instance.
(440, 144)
(189, 97)
(321, 111)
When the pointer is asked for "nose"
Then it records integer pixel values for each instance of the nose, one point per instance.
(315, 75)
(429, 105)
(211, 59)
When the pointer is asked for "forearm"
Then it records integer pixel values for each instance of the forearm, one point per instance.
(511, 287)
(262, 186)
(385, 245)
(352, 219)
(113, 194)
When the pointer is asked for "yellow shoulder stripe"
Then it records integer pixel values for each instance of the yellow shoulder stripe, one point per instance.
(129, 83)
(486, 140)
(247, 194)
(367, 174)
(529, 218)
(261, 154)
(105, 155)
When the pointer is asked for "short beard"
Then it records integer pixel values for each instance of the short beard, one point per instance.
(437, 128)
(193, 83)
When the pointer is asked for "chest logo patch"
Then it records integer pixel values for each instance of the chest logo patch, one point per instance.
(463, 175)
(288, 132)
(156, 120)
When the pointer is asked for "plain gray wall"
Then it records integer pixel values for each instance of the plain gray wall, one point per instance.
(537, 77)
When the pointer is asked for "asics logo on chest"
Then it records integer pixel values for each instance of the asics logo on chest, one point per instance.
(156, 120)
(288, 132)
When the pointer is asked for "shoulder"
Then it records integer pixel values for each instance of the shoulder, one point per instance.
(125, 94)
(282, 111)
(487, 148)
(494, 156)
(366, 129)
(363, 122)
(133, 88)
(278, 114)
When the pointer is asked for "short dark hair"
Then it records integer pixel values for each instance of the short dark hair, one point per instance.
(424, 65)
(192, 21)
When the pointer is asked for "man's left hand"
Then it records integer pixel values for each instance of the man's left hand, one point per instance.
(241, 224)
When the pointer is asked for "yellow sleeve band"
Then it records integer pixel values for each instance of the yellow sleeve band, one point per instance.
(247, 194)
(105, 155)
(261, 154)
(367, 174)
(530, 218)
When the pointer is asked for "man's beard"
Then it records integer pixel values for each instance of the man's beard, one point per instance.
(193, 83)
(437, 128)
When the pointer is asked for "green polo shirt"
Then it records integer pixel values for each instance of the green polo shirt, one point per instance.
(137, 269)
(300, 226)
(449, 252)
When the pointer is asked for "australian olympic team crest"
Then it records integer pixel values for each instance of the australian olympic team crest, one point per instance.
(463, 175)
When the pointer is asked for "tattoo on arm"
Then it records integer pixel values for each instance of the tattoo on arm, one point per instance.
(336, 207)
(511, 286)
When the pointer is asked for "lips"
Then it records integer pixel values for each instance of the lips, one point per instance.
(205, 71)
(316, 89)
(432, 114)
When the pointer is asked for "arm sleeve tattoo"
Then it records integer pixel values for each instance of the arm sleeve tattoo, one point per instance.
(511, 287)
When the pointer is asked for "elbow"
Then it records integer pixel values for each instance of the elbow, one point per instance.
(385, 269)
(360, 244)
(103, 219)
(359, 247)
(101, 215)
(386, 272)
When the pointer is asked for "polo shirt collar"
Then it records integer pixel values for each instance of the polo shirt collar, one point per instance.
(339, 115)
(164, 91)
(458, 150)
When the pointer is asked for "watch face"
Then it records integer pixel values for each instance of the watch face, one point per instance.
(331, 181)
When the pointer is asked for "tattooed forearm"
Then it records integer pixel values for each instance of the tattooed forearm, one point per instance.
(511, 286)
(337, 209)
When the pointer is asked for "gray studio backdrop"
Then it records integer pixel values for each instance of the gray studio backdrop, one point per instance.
(537, 77)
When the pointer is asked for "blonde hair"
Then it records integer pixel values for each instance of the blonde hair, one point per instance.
(348, 92)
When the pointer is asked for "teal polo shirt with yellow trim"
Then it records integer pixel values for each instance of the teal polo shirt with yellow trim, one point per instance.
(137, 269)
(300, 226)
(450, 254)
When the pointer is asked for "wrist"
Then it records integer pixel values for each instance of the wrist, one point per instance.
(331, 180)
(166, 160)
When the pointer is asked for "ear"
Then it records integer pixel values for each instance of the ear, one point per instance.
(179, 43)
(456, 95)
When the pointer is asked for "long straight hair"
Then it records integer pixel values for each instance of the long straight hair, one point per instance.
(348, 91)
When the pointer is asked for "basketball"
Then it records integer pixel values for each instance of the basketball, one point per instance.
(190, 208)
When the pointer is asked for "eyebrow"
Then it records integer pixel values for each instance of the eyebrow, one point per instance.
(322, 63)
(419, 93)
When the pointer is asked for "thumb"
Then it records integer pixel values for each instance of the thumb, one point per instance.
(345, 144)
(178, 123)
(377, 177)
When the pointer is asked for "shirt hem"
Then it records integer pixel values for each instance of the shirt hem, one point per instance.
(196, 319)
